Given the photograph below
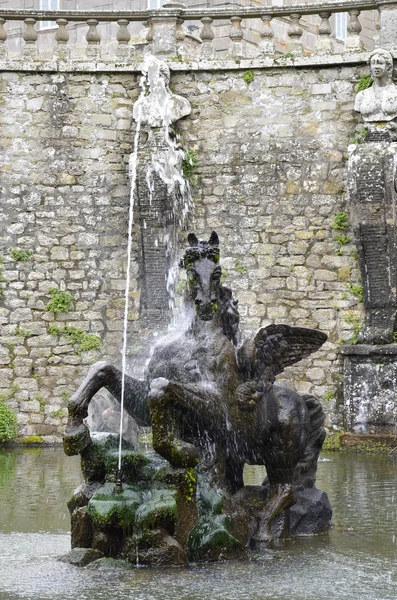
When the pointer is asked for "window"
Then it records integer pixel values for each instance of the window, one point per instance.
(48, 5)
(341, 26)
(155, 3)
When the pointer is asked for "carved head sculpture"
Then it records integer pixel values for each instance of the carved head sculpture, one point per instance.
(381, 64)
(201, 261)
(203, 274)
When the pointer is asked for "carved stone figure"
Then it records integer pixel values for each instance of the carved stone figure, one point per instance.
(159, 107)
(378, 103)
(213, 405)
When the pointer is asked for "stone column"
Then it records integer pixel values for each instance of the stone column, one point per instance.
(371, 179)
(388, 26)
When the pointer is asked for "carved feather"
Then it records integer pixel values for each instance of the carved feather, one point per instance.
(275, 347)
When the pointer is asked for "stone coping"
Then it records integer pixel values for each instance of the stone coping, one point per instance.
(369, 350)
(116, 65)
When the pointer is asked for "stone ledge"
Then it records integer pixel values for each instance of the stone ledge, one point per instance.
(369, 350)
(264, 62)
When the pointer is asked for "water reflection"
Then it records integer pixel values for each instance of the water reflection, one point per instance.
(356, 560)
(36, 483)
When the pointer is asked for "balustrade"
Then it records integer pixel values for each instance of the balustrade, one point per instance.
(166, 31)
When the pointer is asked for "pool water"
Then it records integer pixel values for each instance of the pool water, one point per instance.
(356, 560)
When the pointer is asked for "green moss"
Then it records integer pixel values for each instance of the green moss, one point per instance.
(329, 395)
(33, 439)
(160, 511)
(248, 77)
(85, 341)
(180, 288)
(59, 413)
(134, 466)
(20, 255)
(332, 442)
(42, 401)
(189, 489)
(8, 422)
(239, 267)
(60, 301)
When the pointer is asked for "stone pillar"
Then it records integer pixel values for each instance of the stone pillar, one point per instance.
(372, 193)
(166, 29)
(388, 26)
(370, 388)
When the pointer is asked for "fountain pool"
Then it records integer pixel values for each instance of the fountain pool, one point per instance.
(356, 560)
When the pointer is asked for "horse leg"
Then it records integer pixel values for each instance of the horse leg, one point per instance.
(165, 395)
(102, 374)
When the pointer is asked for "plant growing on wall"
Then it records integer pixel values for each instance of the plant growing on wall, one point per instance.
(60, 301)
(8, 421)
(85, 341)
(189, 162)
(364, 82)
(248, 77)
(20, 255)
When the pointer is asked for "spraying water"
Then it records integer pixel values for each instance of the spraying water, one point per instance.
(157, 108)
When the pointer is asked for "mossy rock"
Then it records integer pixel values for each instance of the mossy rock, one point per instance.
(135, 466)
(159, 510)
(210, 540)
(108, 509)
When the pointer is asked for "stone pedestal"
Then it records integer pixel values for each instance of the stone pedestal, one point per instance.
(370, 387)
(372, 195)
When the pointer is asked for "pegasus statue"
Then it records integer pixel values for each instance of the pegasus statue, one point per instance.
(212, 401)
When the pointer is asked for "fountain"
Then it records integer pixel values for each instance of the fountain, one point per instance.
(211, 400)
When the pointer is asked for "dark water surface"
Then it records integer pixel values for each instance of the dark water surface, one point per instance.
(356, 561)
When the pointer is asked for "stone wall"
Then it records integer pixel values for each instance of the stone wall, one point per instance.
(271, 178)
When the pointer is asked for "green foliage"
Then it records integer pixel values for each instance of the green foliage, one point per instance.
(342, 239)
(59, 413)
(357, 291)
(288, 55)
(364, 82)
(354, 320)
(359, 137)
(60, 301)
(20, 255)
(332, 442)
(239, 267)
(341, 222)
(23, 332)
(189, 163)
(248, 77)
(8, 422)
(85, 341)
(65, 395)
(41, 401)
(329, 395)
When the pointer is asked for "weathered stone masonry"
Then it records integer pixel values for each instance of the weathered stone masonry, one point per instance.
(271, 177)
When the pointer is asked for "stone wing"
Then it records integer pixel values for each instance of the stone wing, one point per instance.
(275, 347)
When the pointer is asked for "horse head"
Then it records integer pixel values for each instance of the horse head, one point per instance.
(209, 296)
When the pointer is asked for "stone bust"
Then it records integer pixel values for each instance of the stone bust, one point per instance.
(378, 104)
(158, 106)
